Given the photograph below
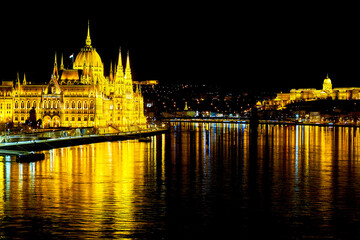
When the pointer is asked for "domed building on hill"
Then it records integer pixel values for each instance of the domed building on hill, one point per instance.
(81, 96)
(312, 94)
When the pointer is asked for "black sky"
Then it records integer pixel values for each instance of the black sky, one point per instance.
(249, 45)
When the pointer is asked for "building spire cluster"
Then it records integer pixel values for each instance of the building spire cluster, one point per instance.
(82, 96)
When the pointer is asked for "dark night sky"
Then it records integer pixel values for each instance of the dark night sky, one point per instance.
(247, 45)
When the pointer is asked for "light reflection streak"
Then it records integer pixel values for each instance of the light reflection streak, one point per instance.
(122, 184)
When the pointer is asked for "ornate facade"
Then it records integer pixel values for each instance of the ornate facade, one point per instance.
(311, 94)
(78, 97)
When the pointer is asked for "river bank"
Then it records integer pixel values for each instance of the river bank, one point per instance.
(247, 121)
(45, 144)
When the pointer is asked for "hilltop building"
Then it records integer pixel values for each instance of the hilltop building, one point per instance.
(312, 94)
(78, 97)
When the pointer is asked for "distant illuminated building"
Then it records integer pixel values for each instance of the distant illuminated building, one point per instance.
(147, 82)
(79, 97)
(312, 94)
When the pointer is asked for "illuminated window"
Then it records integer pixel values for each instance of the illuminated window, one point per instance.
(79, 104)
(73, 104)
(16, 104)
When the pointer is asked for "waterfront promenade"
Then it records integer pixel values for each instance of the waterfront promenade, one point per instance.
(58, 142)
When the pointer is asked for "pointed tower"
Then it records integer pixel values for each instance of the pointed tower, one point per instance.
(111, 77)
(18, 82)
(128, 76)
(55, 70)
(119, 77)
(88, 39)
(24, 81)
(62, 62)
(120, 68)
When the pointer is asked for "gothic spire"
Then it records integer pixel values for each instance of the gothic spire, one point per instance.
(24, 81)
(128, 69)
(18, 80)
(128, 62)
(55, 70)
(88, 39)
(111, 72)
(62, 62)
(120, 66)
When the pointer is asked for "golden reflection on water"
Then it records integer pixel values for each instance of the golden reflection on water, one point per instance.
(88, 187)
(123, 188)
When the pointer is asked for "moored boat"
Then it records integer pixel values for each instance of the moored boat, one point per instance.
(30, 157)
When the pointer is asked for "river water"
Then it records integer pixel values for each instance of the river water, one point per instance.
(201, 180)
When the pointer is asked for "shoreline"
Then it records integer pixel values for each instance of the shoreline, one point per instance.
(46, 144)
(248, 121)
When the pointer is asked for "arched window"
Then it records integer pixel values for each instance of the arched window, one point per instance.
(79, 105)
(58, 104)
(91, 104)
(28, 104)
(66, 104)
(73, 104)
(22, 104)
(85, 105)
(34, 104)
(16, 104)
(44, 104)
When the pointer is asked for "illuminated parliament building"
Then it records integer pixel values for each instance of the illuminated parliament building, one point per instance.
(78, 97)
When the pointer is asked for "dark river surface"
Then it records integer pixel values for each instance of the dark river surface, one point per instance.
(202, 180)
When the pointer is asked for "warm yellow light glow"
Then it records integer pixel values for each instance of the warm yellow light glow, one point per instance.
(82, 179)
(78, 97)
(311, 94)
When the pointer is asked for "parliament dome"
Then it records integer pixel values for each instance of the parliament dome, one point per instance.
(88, 55)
